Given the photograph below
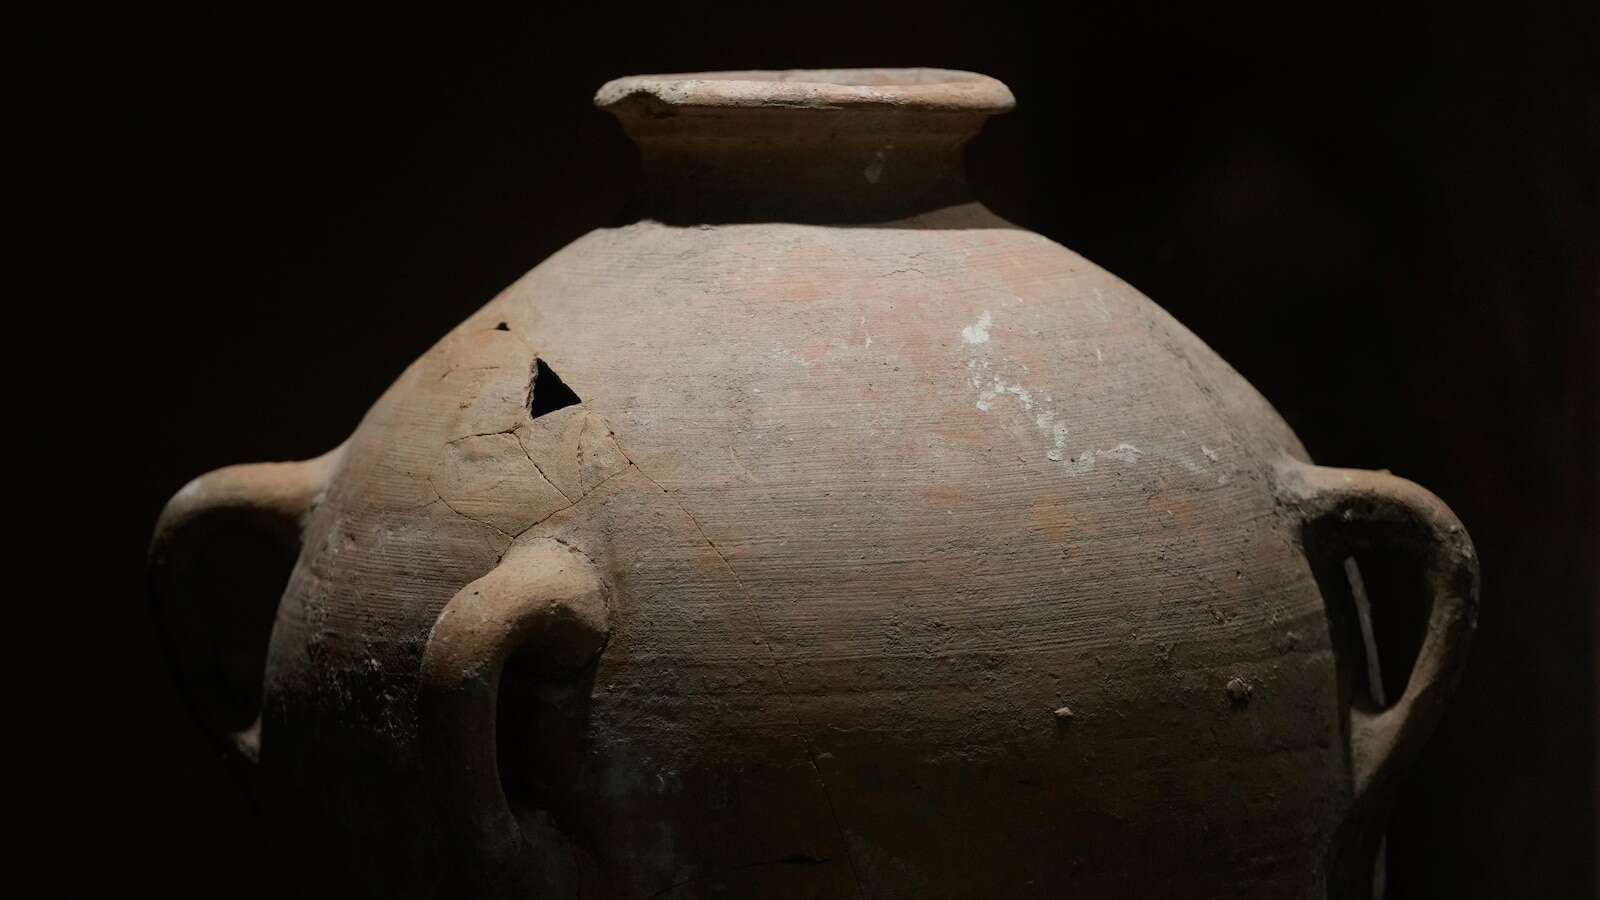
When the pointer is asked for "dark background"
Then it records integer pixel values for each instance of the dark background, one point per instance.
(1387, 220)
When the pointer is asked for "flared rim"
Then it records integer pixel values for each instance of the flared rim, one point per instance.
(937, 90)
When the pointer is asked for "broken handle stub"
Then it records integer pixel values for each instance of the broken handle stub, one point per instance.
(1353, 509)
(257, 502)
(545, 601)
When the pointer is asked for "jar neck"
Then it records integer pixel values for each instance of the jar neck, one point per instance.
(800, 165)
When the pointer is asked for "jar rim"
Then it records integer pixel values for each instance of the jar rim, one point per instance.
(911, 89)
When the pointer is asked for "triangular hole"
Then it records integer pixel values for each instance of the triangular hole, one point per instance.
(547, 392)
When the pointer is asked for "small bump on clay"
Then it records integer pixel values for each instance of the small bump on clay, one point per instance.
(1239, 690)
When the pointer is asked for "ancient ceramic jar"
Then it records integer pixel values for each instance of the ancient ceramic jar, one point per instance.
(819, 534)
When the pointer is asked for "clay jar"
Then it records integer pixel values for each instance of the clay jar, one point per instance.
(820, 534)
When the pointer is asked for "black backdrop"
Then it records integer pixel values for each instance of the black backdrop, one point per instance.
(1386, 219)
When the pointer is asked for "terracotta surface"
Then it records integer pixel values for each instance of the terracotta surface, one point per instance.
(821, 535)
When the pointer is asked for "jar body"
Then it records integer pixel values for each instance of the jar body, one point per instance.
(940, 563)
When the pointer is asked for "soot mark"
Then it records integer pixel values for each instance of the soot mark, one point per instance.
(547, 392)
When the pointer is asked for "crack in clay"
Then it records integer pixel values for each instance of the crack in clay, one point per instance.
(454, 369)
(582, 497)
(512, 432)
(755, 610)
(474, 519)
(573, 503)
(467, 437)
(503, 532)
(833, 811)
(515, 432)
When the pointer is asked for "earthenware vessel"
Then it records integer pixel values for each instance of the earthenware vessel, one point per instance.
(819, 534)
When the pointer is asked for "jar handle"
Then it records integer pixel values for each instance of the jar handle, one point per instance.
(258, 502)
(1345, 510)
(544, 601)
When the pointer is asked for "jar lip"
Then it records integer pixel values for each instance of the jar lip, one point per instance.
(916, 89)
